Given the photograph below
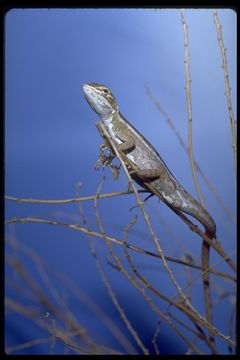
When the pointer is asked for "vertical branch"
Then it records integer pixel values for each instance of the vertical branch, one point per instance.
(184, 146)
(227, 87)
(189, 108)
(205, 245)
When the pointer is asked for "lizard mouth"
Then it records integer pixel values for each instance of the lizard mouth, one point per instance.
(89, 95)
(87, 91)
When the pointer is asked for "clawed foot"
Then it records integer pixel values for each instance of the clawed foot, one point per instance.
(106, 160)
(103, 161)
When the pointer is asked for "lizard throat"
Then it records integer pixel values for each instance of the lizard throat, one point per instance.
(109, 123)
(110, 118)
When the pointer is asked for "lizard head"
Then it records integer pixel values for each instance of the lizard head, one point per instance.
(101, 100)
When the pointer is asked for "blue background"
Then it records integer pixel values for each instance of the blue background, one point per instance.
(51, 145)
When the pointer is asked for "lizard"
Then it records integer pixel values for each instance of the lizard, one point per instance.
(149, 170)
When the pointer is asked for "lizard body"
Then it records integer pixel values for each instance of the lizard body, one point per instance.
(149, 169)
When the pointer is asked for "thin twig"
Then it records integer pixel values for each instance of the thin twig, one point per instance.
(155, 336)
(189, 108)
(67, 201)
(230, 326)
(148, 286)
(145, 283)
(172, 126)
(205, 245)
(28, 344)
(77, 291)
(116, 241)
(215, 244)
(206, 270)
(113, 297)
(227, 86)
(123, 340)
(94, 233)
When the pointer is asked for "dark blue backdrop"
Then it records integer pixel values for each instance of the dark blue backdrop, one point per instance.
(51, 145)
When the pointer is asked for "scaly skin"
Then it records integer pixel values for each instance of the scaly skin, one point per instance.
(150, 171)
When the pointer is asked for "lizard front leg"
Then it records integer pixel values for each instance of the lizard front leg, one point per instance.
(126, 147)
(106, 159)
(127, 150)
(144, 174)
